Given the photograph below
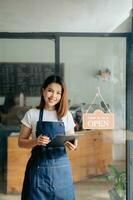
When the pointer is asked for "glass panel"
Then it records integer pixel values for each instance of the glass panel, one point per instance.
(24, 62)
(93, 66)
(24, 65)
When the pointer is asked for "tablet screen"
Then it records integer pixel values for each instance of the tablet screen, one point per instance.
(59, 140)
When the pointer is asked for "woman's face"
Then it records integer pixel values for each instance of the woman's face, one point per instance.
(52, 95)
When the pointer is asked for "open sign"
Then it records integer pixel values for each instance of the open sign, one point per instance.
(98, 120)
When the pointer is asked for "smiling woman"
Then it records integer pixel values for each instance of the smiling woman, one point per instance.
(52, 162)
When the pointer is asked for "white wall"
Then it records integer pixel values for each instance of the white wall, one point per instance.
(125, 25)
(63, 15)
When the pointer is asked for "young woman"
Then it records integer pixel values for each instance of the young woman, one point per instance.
(48, 174)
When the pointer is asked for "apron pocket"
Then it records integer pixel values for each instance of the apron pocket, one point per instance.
(53, 177)
(43, 178)
(62, 176)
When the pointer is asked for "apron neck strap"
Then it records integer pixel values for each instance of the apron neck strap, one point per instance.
(41, 115)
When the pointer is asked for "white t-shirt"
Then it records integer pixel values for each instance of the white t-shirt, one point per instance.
(32, 116)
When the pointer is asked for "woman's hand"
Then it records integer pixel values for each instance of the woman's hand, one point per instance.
(42, 140)
(71, 146)
(24, 140)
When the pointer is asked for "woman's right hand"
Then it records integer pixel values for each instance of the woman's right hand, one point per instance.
(24, 140)
(42, 140)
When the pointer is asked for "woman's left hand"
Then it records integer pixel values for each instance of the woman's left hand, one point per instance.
(71, 146)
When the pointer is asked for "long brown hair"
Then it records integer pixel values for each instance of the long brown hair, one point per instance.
(62, 106)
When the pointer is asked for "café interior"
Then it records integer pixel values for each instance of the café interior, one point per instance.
(93, 63)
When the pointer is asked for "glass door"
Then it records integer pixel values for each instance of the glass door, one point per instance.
(95, 73)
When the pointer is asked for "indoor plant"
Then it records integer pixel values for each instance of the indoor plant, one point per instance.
(118, 182)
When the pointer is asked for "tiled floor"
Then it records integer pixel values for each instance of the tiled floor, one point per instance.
(92, 189)
(89, 189)
(95, 188)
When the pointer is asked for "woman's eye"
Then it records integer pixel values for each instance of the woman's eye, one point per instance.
(50, 90)
(59, 93)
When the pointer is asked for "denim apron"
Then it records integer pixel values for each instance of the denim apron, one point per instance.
(48, 173)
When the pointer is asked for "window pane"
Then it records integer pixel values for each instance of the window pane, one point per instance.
(95, 70)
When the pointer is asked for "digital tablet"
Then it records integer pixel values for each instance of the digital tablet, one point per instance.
(59, 140)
